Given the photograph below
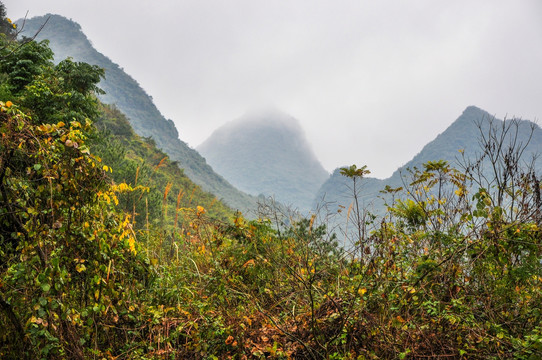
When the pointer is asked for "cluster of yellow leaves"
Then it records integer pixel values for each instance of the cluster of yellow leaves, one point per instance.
(11, 22)
(80, 266)
(108, 196)
(128, 232)
(125, 188)
(239, 222)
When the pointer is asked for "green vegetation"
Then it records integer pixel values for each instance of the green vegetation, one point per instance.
(137, 162)
(105, 259)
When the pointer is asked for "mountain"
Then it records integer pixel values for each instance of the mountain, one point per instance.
(266, 152)
(67, 40)
(461, 138)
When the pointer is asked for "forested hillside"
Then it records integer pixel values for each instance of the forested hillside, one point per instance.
(100, 260)
(266, 152)
(137, 162)
(67, 40)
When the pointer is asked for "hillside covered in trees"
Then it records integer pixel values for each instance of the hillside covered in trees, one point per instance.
(108, 251)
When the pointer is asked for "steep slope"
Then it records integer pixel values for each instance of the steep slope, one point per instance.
(266, 152)
(463, 134)
(67, 40)
(136, 161)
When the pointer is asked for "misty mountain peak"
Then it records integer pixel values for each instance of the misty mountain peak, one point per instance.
(266, 152)
(270, 117)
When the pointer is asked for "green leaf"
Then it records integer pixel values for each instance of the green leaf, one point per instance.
(404, 354)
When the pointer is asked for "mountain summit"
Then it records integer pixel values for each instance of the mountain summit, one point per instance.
(266, 152)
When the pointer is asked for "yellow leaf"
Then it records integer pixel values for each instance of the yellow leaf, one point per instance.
(362, 291)
(131, 244)
(80, 268)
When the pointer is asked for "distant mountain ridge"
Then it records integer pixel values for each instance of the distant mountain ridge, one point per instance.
(462, 135)
(67, 40)
(266, 152)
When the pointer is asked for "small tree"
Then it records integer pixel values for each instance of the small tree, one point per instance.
(356, 213)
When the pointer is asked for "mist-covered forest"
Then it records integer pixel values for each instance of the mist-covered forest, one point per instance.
(108, 250)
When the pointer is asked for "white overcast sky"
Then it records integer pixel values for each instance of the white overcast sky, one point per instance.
(370, 81)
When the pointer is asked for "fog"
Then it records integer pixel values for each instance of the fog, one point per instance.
(371, 82)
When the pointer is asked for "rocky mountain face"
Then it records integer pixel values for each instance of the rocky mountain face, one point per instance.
(67, 40)
(266, 152)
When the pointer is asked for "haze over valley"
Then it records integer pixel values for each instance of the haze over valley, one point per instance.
(262, 153)
(373, 81)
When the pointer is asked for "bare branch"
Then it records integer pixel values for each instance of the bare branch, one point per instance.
(26, 40)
